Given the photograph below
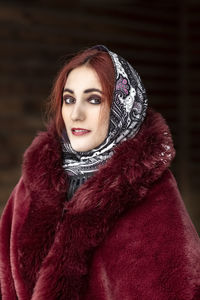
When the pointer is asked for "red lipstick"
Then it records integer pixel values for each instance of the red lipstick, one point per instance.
(79, 131)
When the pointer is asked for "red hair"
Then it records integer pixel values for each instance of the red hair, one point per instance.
(101, 62)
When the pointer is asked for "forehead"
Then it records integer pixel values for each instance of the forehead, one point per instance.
(83, 77)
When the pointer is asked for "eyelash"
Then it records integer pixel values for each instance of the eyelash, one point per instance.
(96, 98)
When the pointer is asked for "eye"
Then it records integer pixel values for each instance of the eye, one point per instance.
(68, 99)
(95, 99)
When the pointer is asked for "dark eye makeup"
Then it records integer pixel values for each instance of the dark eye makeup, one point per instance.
(68, 99)
(93, 99)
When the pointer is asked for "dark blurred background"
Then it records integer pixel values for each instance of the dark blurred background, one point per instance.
(161, 39)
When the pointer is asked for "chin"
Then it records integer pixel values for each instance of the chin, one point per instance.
(86, 145)
(81, 148)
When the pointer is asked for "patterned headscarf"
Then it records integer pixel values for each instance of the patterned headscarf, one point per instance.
(127, 113)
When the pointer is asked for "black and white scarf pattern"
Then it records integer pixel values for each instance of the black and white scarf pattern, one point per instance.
(128, 111)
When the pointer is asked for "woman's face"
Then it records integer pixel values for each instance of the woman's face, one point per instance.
(82, 102)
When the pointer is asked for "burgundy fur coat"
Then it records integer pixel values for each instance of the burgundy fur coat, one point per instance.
(125, 234)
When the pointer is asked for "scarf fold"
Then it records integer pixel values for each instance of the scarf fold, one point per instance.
(74, 183)
(128, 111)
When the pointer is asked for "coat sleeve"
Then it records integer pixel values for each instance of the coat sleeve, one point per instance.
(9, 224)
(153, 252)
(5, 237)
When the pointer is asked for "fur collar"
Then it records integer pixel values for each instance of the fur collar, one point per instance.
(118, 185)
(150, 152)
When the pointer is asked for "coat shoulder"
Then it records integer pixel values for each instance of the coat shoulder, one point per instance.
(161, 209)
(42, 163)
(154, 245)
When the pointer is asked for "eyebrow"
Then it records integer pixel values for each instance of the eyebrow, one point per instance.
(86, 91)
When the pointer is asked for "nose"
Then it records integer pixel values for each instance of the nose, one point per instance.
(77, 113)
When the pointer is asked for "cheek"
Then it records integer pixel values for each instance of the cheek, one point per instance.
(103, 123)
(64, 114)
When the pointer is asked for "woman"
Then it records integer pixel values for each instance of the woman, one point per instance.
(97, 213)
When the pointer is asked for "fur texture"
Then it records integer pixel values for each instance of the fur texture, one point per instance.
(124, 235)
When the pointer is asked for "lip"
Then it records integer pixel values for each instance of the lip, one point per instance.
(84, 132)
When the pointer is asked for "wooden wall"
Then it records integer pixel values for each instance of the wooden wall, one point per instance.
(161, 40)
